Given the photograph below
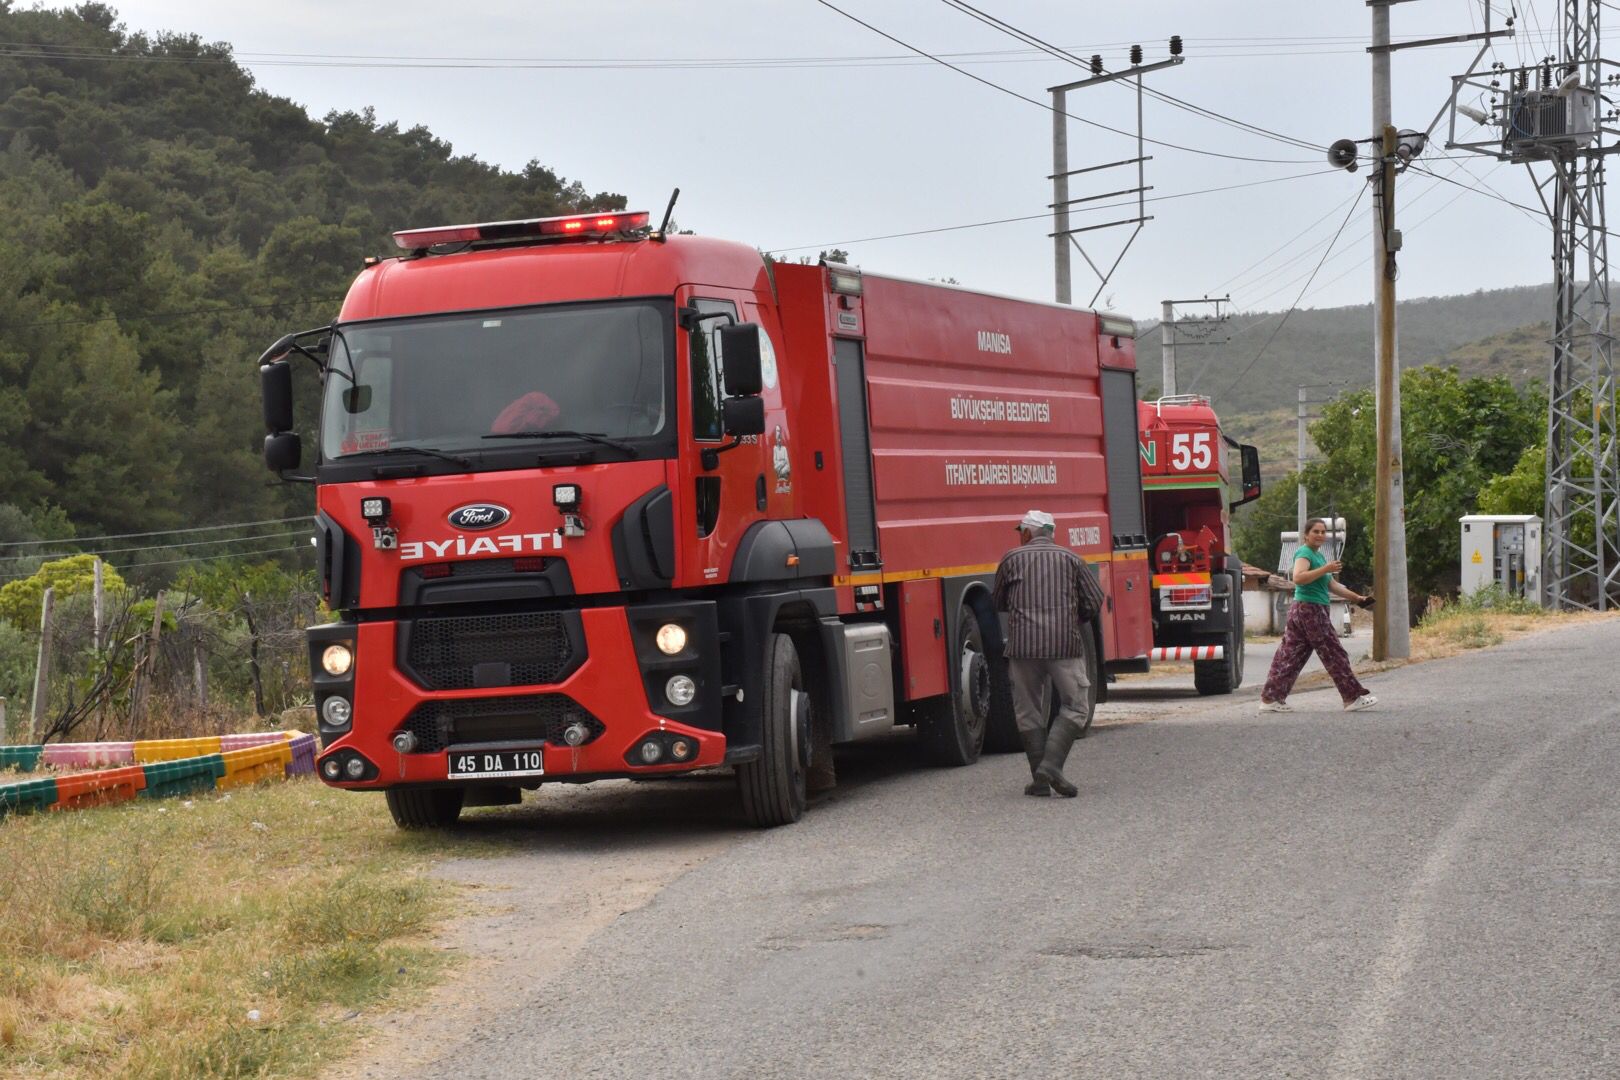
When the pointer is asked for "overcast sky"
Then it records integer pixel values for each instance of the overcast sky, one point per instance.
(801, 156)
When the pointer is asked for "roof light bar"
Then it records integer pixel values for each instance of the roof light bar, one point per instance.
(580, 225)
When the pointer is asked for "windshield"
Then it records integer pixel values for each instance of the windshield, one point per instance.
(450, 382)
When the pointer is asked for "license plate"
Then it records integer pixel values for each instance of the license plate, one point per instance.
(479, 764)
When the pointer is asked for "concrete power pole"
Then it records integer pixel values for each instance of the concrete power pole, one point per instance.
(1167, 349)
(1391, 630)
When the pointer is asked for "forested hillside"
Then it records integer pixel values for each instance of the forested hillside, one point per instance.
(165, 221)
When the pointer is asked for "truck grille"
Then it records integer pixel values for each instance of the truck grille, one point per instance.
(465, 652)
(533, 718)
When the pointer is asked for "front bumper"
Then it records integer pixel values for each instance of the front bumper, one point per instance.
(611, 690)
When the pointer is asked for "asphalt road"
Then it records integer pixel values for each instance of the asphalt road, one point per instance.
(1428, 890)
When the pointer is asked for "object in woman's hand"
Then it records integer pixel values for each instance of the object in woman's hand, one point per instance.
(1366, 602)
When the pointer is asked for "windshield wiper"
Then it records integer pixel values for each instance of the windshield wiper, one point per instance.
(587, 436)
(426, 450)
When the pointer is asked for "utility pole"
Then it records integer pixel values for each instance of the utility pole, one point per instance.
(1062, 235)
(99, 606)
(1167, 349)
(42, 671)
(1302, 458)
(1197, 335)
(1391, 630)
(1299, 468)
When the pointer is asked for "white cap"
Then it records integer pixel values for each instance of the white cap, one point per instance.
(1038, 521)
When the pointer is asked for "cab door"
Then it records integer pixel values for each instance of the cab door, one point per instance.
(716, 505)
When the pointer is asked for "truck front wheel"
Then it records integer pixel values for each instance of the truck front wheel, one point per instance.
(425, 808)
(1226, 674)
(772, 786)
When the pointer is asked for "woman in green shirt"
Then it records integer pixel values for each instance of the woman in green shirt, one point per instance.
(1310, 629)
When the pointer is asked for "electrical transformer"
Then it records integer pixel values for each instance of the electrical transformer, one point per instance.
(1502, 550)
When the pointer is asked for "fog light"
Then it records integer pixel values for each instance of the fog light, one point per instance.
(680, 690)
(651, 751)
(374, 509)
(337, 659)
(336, 711)
(405, 742)
(681, 749)
(331, 768)
(355, 768)
(576, 733)
(565, 496)
(671, 639)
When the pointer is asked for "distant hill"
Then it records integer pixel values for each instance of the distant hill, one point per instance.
(1321, 345)
(1488, 332)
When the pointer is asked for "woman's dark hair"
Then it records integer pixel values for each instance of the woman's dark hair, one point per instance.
(1313, 522)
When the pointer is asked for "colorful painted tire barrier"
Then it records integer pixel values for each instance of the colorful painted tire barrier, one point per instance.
(153, 768)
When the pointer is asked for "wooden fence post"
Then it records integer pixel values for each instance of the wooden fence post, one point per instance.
(42, 671)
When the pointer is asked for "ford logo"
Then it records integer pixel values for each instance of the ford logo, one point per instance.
(479, 516)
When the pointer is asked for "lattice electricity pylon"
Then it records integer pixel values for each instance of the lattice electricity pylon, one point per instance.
(1555, 113)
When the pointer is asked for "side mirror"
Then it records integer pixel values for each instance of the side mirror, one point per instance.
(283, 451)
(1251, 475)
(275, 387)
(739, 352)
(744, 416)
(357, 399)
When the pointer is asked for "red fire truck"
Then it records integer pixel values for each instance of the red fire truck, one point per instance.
(595, 501)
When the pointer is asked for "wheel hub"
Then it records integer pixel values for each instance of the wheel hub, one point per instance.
(975, 682)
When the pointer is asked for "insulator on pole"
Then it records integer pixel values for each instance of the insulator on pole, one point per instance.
(1175, 44)
(1096, 64)
(1136, 55)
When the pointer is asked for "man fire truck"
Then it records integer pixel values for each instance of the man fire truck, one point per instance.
(596, 501)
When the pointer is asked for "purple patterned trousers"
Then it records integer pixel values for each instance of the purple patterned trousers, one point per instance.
(1310, 628)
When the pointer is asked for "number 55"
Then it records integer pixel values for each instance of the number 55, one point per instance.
(1190, 451)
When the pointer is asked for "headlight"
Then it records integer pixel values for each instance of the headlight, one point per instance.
(680, 690)
(337, 659)
(671, 639)
(336, 711)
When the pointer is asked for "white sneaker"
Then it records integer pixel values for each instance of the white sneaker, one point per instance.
(1365, 701)
(1276, 706)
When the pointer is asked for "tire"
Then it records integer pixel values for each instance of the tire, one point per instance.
(772, 786)
(1226, 674)
(953, 724)
(425, 808)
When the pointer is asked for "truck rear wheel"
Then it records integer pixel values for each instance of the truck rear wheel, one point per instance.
(772, 786)
(425, 808)
(1226, 674)
(953, 724)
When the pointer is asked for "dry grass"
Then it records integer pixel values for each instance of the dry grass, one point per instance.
(137, 940)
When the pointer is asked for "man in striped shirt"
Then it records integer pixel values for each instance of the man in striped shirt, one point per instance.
(1049, 595)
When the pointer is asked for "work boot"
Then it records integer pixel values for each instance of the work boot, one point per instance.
(1034, 748)
(1058, 741)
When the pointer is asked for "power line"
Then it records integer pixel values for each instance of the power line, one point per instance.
(1044, 105)
(158, 532)
(1212, 48)
(1044, 215)
(192, 559)
(1241, 273)
(1069, 57)
(1301, 296)
(160, 547)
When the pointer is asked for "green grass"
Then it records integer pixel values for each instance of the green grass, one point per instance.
(138, 938)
